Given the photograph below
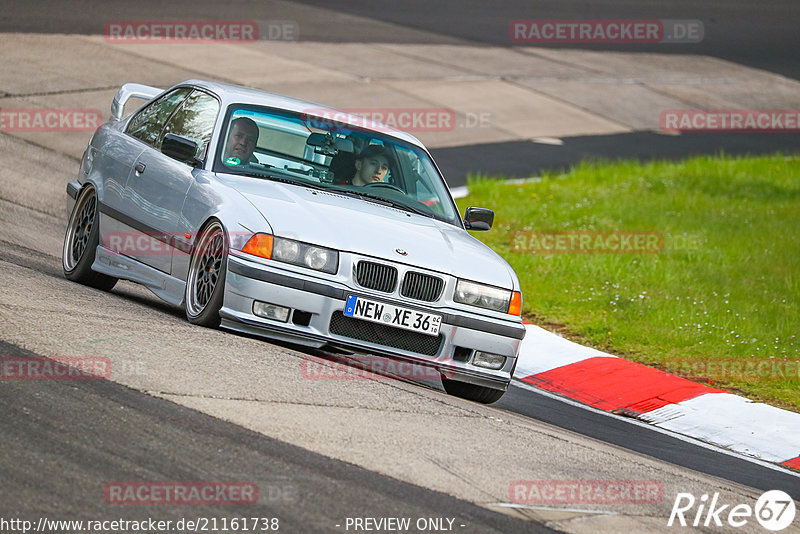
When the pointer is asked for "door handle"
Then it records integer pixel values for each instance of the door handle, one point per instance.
(139, 168)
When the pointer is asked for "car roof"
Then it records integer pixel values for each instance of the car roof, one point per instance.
(236, 94)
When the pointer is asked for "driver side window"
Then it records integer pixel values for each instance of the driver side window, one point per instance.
(194, 120)
(147, 124)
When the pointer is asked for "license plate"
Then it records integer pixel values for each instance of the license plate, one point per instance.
(390, 315)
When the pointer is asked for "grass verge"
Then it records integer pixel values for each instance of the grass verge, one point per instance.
(707, 285)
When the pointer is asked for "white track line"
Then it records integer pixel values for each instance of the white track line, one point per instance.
(549, 508)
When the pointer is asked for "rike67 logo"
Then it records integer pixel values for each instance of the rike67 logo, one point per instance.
(774, 510)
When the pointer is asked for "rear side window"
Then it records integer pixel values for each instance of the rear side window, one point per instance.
(147, 124)
(194, 120)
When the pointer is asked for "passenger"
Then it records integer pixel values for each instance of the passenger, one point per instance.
(372, 165)
(242, 140)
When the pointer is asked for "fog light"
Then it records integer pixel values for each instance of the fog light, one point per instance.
(489, 361)
(271, 311)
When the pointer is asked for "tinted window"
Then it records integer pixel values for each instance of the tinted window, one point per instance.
(148, 123)
(195, 120)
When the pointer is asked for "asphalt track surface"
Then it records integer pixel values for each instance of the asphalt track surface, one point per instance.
(92, 432)
(95, 431)
(758, 34)
(522, 159)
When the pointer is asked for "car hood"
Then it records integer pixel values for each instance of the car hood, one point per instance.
(354, 225)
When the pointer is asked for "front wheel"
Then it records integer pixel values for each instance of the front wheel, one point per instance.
(80, 243)
(205, 283)
(471, 392)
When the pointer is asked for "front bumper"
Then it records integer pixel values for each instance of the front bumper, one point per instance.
(318, 305)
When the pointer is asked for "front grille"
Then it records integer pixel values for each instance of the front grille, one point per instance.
(421, 286)
(376, 276)
(384, 335)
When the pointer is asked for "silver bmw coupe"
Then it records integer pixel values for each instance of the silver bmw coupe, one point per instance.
(285, 219)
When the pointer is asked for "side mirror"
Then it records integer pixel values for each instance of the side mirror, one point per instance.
(180, 148)
(478, 219)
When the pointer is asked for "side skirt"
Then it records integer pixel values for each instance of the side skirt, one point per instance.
(163, 285)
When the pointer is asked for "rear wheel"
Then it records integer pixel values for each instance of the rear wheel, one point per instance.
(205, 283)
(471, 392)
(80, 243)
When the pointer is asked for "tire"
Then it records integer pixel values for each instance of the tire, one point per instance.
(205, 281)
(471, 392)
(80, 243)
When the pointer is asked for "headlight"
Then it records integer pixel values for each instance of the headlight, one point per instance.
(317, 258)
(286, 250)
(293, 252)
(489, 297)
(305, 255)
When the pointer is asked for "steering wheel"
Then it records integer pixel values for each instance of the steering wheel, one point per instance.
(385, 185)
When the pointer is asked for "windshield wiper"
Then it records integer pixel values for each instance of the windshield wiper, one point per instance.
(282, 179)
(395, 204)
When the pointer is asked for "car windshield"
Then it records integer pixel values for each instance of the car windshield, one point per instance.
(318, 152)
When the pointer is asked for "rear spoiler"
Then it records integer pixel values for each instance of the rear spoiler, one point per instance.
(128, 91)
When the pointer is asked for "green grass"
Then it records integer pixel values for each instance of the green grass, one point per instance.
(720, 302)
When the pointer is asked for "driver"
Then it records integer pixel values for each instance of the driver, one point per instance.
(372, 165)
(242, 140)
